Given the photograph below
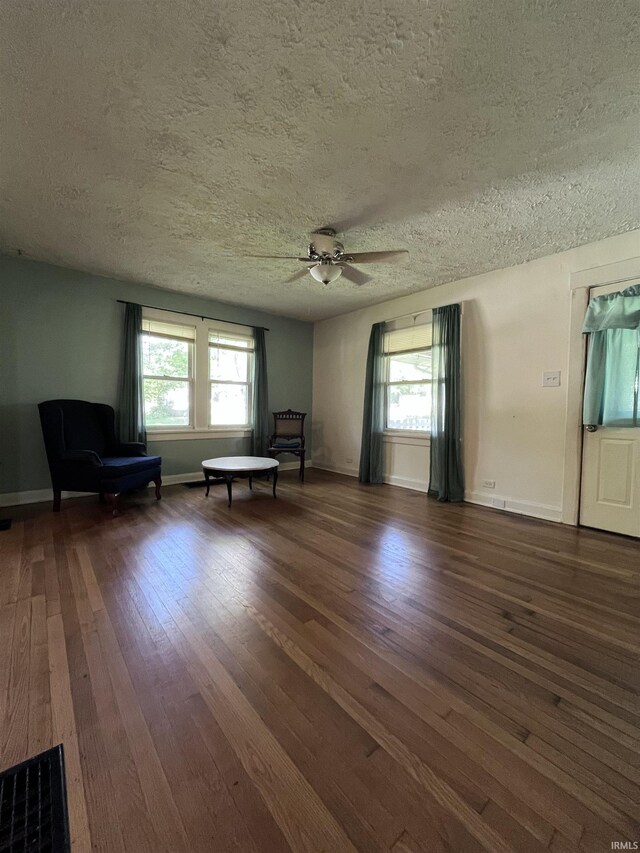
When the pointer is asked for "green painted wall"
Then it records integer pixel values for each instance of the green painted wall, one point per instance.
(60, 333)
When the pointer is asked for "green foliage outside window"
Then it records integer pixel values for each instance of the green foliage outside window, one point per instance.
(166, 399)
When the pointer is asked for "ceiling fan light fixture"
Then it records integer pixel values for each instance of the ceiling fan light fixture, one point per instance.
(326, 272)
(327, 260)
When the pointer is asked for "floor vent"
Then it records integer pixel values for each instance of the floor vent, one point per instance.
(33, 805)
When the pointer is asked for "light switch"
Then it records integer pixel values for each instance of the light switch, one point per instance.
(551, 379)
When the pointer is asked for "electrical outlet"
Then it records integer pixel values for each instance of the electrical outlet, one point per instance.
(551, 379)
(348, 460)
(498, 503)
(488, 484)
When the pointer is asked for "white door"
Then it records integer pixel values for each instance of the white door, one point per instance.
(610, 498)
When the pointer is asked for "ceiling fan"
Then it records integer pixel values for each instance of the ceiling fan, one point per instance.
(327, 260)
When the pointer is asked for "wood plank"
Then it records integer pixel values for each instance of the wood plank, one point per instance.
(40, 735)
(14, 736)
(345, 668)
(63, 725)
(297, 809)
(441, 792)
(129, 797)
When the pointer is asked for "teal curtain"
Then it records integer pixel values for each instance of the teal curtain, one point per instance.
(446, 477)
(612, 381)
(260, 399)
(371, 460)
(131, 392)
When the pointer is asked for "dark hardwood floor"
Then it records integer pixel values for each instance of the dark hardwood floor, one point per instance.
(344, 668)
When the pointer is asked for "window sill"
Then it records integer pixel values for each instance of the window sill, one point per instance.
(400, 436)
(189, 434)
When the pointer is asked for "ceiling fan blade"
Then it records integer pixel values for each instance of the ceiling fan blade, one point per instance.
(296, 276)
(356, 276)
(278, 257)
(376, 257)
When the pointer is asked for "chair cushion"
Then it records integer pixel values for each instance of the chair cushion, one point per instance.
(280, 444)
(121, 466)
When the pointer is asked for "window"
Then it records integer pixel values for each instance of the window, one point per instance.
(408, 379)
(197, 375)
(167, 366)
(230, 369)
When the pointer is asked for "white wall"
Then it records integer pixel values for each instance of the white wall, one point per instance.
(515, 325)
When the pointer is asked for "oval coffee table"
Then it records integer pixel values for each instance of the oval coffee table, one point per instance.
(230, 468)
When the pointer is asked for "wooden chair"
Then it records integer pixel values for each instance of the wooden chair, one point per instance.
(288, 436)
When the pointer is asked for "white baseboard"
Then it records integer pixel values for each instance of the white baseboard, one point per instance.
(294, 466)
(406, 483)
(391, 479)
(36, 496)
(536, 510)
(195, 476)
(337, 469)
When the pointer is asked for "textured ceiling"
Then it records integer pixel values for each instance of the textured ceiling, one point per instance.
(161, 141)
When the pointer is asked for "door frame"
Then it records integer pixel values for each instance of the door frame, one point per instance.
(581, 281)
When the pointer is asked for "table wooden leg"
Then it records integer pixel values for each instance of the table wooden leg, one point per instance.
(229, 481)
(206, 476)
(275, 481)
(251, 483)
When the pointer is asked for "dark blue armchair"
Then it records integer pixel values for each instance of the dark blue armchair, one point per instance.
(85, 455)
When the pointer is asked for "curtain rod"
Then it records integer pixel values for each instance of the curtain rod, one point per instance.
(191, 314)
(415, 314)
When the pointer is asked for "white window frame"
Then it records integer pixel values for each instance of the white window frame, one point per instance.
(249, 384)
(189, 379)
(402, 435)
(200, 426)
